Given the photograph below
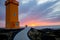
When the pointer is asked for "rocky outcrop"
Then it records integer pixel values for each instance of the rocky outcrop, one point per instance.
(44, 34)
(8, 34)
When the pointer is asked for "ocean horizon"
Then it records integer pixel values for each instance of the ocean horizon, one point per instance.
(43, 27)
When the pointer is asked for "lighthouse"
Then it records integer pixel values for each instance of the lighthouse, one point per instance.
(12, 14)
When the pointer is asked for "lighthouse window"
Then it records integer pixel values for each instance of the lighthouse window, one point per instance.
(14, 14)
(17, 24)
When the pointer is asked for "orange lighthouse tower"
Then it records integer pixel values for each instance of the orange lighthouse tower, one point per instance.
(12, 14)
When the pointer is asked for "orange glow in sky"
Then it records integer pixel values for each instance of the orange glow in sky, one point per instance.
(36, 23)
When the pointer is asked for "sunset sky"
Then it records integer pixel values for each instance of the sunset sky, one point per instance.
(35, 12)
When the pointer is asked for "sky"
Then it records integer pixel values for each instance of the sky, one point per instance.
(35, 12)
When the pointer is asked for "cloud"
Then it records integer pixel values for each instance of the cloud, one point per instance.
(55, 12)
(57, 6)
(25, 1)
(54, 17)
(2, 24)
(43, 1)
(22, 16)
(43, 12)
(2, 10)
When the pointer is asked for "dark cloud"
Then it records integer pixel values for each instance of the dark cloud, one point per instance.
(38, 11)
(26, 7)
(57, 17)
